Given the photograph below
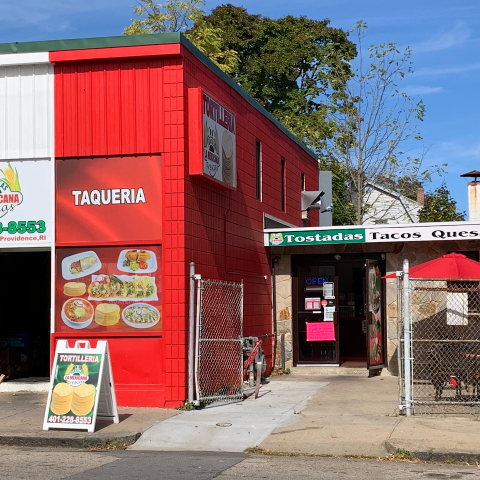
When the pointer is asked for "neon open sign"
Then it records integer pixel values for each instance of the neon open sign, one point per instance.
(315, 281)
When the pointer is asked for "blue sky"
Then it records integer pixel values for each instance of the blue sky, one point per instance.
(443, 35)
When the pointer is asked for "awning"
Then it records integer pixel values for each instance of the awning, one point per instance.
(453, 266)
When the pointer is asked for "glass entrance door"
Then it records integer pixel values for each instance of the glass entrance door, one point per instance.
(316, 317)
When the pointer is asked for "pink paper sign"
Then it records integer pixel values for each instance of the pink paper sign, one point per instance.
(319, 331)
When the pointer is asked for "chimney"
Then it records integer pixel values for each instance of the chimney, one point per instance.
(421, 195)
(473, 199)
(473, 195)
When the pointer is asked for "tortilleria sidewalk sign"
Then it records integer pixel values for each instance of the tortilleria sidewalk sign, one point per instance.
(373, 234)
(81, 377)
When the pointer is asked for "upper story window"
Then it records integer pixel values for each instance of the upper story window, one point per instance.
(302, 181)
(258, 170)
(282, 184)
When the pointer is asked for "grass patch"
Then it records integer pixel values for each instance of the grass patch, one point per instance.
(108, 445)
(278, 371)
(400, 455)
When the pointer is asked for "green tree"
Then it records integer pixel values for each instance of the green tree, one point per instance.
(291, 66)
(439, 206)
(375, 121)
(179, 16)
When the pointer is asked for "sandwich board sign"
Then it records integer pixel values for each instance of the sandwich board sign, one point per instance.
(81, 387)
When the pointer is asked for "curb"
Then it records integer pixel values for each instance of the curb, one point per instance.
(69, 442)
(434, 455)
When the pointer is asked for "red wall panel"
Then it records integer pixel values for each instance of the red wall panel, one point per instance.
(108, 108)
(138, 378)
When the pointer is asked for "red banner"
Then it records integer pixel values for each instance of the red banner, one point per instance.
(113, 199)
(108, 289)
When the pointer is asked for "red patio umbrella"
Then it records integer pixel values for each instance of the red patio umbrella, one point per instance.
(453, 266)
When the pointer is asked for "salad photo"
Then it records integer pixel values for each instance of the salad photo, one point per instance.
(141, 315)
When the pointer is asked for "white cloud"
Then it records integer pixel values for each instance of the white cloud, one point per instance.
(421, 89)
(447, 70)
(458, 35)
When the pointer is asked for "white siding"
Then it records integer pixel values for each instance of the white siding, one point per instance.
(384, 208)
(26, 111)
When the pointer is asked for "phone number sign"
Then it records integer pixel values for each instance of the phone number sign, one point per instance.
(26, 197)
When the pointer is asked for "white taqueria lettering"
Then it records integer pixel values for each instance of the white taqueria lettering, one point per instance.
(114, 196)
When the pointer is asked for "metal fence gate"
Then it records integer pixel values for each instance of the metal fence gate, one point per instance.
(219, 342)
(439, 351)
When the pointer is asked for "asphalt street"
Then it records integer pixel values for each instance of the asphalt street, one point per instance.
(53, 464)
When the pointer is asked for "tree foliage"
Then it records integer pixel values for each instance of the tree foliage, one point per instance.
(291, 66)
(180, 16)
(439, 206)
(375, 121)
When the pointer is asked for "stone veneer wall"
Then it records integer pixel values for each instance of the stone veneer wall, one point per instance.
(396, 252)
(283, 298)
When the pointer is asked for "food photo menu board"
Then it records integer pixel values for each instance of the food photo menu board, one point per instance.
(108, 289)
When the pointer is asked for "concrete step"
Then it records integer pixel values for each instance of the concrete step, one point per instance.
(327, 370)
(32, 384)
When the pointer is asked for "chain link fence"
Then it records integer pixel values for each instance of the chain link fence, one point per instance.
(445, 346)
(219, 361)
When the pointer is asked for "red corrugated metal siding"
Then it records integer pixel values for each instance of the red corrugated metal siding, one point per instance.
(108, 108)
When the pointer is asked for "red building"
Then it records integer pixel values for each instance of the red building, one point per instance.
(156, 150)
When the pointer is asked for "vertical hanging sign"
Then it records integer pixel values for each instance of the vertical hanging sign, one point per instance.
(81, 387)
(212, 132)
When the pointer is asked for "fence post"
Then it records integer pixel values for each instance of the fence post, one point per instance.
(197, 335)
(406, 339)
(191, 332)
(400, 349)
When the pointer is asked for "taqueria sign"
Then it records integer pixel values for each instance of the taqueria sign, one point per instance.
(374, 234)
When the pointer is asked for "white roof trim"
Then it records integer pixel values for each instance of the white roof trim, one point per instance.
(24, 58)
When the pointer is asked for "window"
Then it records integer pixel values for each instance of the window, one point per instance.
(258, 170)
(282, 184)
(302, 181)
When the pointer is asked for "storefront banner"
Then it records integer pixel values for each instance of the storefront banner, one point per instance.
(403, 233)
(26, 190)
(212, 139)
(108, 289)
(320, 331)
(76, 386)
(421, 233)
(109, 199)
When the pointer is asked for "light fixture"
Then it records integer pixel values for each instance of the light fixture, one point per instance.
(337, 257)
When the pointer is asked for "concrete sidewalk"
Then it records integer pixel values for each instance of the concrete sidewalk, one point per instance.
(21, 422)
(356, 415)
(327, 415)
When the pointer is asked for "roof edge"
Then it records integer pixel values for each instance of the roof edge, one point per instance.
(90, 43)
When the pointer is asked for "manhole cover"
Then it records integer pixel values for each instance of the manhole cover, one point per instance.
(224, 424)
